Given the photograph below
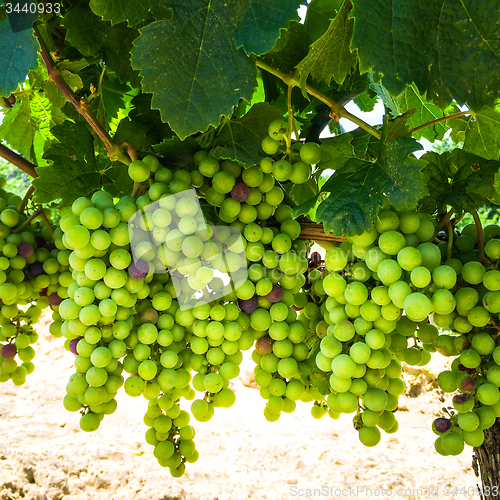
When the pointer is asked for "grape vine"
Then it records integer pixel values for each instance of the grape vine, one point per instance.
(175, 203)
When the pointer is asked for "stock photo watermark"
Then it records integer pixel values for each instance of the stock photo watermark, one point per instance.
(412, 493)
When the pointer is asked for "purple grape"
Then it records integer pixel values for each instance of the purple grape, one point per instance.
(460, 399)
(139, 269)
(461, 367)
(49, 246)
(275, 295)
(468, 384)
(25, 250)
(35, 269)
(248, 306)
(470, 371)
(54, 299)
(43, 292)
(8, 351)
(72, 345)
(441, 425)
(264, 345)
(240, 192)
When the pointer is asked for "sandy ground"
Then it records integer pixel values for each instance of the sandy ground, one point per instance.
(44, 454)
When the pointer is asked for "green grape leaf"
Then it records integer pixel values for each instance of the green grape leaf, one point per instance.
(301, 193)
(240, 140)
(305, 207)
(461, 180)
(95, 37)
(261, 23)
(318, 17)
(352, 200)
(111, 98)
(53, 92)
(132, 11)
(479, 133)
(356, 187)
(177, 154)
(75, 171)
(384, 95)
(424, 112)
(33, 113)
(290, 48)
(143, 126)
(205, 77)
(335, 152)
(18, 55)
(329, 57)
(441, 66)
(365, 102)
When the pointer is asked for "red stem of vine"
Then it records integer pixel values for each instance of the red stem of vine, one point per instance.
(18, 161)
(81, 105)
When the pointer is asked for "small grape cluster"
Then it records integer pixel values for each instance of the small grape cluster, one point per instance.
(29, 270)
(294, 164)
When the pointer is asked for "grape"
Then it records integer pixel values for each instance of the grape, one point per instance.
(240, 192)
(310, 153)
(441, 425)
(468, 384)
(8, 351)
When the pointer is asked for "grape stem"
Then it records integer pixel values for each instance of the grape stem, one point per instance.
(480, 236)
(290, 120)
(28, 221)
(26, 198)
(439, 120)
(444, 221)
(81, 105)
(18, 161)
(337, 112)
(132, 152)
(449, 247)
(47, 224)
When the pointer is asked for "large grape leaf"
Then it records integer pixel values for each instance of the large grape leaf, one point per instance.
(261, 23)
(318, 17)
(329, 57)
(75, 171)
(290, 48)
(454, 54)
(356, 188)
(177, 154)
(241, 139)
(95, 37)
(143, 126)
(33, 113)
(479, 132)
(425, 112)
(205, 76)
(132, 11)
(461, 180)
(18, 55)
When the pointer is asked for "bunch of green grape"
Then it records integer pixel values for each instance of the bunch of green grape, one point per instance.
(373, 311)
(96, 311)
(288, 165)
(29, 271)
(471, 320)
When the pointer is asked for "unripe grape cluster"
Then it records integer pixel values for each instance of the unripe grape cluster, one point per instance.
(288, 165)
(160, 292)
(30, 271)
